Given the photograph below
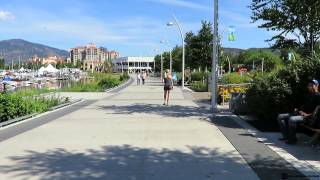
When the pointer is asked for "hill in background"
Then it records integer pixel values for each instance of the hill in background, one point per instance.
(14, 49)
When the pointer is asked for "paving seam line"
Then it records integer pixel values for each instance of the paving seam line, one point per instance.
(39, 115)
(301, 165)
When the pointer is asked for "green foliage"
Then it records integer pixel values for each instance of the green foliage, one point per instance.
(100, 82)
(108, 82)
(199, 86)
(199, 76)
(267, 96)
(199, 48)
(281, 91)
(290, 18)
(20, 104)
(124, 77)
(235, 78)
(270, 60)
(176, 60)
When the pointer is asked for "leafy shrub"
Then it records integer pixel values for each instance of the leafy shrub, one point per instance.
(199, 86)
(109, 82)
(15, 105)
(267, 96)
(235, 78)
(282, 91)
(101, 82)
(124, 76)
(199, 76)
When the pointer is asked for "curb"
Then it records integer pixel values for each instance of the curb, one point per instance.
(130, 80)
(19, 119)
(63, 105)
(301, 165)
(188, 89)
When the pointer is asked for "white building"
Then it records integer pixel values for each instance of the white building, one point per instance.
(133, 64)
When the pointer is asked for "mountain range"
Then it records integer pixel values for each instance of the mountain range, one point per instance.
(15, 49)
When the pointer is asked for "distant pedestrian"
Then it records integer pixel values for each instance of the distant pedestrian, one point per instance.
(138, 78)
(168, 86)
(144, 77)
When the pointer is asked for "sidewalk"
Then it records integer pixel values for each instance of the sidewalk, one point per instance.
(128, 135)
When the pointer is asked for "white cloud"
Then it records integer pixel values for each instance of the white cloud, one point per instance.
(237, 19)
(182, 3)
(6, 15)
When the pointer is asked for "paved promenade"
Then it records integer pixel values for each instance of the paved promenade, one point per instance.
(128, 135)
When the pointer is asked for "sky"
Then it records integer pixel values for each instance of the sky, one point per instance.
(132, 27)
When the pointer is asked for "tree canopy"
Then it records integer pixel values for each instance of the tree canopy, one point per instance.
(199, 47)
(296, 21)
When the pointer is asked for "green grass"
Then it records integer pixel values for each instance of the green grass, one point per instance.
(32, 100)
(99, 83)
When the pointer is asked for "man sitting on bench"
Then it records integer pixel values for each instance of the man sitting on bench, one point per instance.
(289, 122)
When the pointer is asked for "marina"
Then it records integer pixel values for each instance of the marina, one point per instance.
(46, 77)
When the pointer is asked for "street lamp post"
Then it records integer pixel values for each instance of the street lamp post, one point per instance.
(214, 59)
(183, 46)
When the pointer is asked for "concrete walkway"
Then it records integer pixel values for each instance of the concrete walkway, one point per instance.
(128, 135)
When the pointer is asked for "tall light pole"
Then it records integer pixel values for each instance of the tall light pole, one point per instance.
(182, 40)
(170, 52)
(214, 58)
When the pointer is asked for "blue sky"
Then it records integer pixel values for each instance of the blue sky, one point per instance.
(133, 27)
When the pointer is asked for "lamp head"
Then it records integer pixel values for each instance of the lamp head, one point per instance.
(170, 24)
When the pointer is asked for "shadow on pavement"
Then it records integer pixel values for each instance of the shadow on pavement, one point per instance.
(124, 163)
(169, 111)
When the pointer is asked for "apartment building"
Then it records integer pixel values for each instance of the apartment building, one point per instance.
(91, 57)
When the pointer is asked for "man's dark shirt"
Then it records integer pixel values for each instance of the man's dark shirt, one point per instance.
(312, 101)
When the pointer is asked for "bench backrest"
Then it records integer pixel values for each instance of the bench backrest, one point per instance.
(315, 120)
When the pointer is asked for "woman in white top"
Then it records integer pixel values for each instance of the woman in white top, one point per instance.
(138, 78)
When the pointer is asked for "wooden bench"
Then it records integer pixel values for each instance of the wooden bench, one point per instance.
(315, 138)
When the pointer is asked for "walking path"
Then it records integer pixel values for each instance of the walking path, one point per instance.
(130, 135)
(123, 136)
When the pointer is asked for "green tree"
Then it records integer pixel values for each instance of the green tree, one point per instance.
(250, 57)
(199, 47)
(176, 60)
(298, 18)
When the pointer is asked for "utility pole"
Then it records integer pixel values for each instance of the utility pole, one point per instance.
(214, 59)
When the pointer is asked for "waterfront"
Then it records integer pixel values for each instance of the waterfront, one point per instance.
(48, 78)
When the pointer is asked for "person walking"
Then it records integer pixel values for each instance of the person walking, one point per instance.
(138, 78)
(168, 86)
(144, 77)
